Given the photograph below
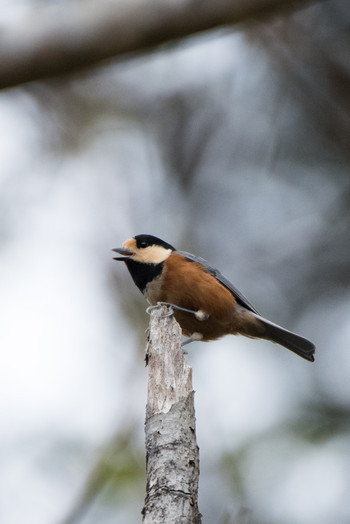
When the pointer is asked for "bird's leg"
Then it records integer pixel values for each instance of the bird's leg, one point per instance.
(200, 315)
(194, 337)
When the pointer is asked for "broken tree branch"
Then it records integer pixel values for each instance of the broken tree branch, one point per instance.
(172, 455)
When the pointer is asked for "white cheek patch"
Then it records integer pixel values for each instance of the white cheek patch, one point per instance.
(152, 255)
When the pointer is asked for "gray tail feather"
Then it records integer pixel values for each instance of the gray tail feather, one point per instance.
(299, 345)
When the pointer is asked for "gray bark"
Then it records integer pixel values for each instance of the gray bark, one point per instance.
(172, 454)
(52, 40)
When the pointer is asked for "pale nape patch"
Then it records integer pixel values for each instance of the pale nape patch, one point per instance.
(152, 254)
(148, 255)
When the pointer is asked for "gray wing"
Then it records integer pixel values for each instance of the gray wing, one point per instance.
(241, 300)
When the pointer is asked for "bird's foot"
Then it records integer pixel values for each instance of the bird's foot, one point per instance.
(193, 338)
(200, 315)
(159, 304)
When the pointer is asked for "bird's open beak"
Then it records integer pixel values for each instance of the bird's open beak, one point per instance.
(126, 254)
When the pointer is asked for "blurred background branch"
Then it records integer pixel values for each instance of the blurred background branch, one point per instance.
(59, 39)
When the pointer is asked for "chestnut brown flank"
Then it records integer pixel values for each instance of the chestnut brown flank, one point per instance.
(188, 285)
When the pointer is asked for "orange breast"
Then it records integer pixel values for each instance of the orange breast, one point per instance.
(188, 285)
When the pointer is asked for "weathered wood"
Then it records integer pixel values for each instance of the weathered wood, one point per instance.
(172, 454)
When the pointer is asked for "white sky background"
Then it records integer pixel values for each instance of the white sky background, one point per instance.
(69, 370)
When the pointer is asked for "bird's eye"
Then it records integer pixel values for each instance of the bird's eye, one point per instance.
(143, 243)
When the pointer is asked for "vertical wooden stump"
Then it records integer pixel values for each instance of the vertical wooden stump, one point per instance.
(172, 454)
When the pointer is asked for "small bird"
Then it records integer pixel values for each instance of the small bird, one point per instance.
(206, 305)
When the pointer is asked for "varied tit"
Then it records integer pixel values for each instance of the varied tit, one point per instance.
(206, 305)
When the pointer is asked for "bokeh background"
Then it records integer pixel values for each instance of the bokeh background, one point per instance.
(233, 145)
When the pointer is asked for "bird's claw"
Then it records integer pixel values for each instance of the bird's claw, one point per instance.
(159, 304)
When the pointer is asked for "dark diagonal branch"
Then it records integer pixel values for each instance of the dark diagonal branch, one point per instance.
(56, 40)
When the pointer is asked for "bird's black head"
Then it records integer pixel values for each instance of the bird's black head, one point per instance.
(143, 241)
(144, 256)
(145, 249)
